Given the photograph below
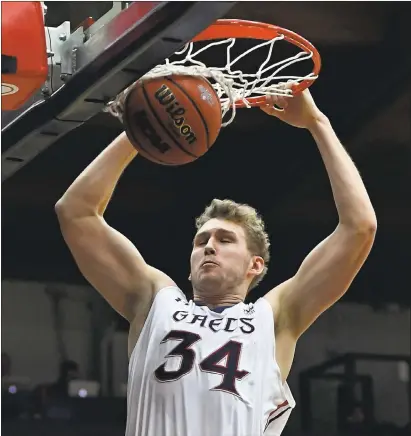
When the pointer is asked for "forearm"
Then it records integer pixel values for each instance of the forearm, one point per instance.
(351, 198)
(91, 191)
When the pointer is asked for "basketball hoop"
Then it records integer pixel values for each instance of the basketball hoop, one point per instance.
(235, 88)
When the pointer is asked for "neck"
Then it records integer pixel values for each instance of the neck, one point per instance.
(212, 300)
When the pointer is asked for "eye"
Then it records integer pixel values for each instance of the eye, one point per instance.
(226, 241)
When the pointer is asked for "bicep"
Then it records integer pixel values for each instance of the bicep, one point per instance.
(111, 263)
(324, 276)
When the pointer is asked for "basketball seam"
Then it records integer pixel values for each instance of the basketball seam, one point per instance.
(130, 131)
(196, 108)
(164, 127)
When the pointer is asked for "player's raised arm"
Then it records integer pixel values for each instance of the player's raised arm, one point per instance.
(106, 258)
(329, 269)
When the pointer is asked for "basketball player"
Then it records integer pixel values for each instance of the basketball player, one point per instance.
(215, 366)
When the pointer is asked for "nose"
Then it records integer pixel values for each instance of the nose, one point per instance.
(209, 248)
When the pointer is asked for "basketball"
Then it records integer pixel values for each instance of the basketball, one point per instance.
(172, 120)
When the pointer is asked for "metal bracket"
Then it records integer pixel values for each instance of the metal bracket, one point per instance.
(55, 38)
(68, 53)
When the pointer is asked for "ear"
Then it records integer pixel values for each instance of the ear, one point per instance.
(257, 265)
(189, 278)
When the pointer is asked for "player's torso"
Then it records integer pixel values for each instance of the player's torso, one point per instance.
(194, 370)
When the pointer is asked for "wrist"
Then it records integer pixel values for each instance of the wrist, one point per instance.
(317, 121)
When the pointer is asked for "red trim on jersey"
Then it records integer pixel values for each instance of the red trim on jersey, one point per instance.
(277, 412)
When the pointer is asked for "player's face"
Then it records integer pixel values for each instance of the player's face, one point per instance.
(221, 258)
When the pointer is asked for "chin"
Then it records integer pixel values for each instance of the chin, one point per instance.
(208, 284)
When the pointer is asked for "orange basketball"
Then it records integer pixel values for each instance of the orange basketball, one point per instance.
(172, 120)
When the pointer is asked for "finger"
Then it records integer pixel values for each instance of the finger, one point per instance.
(288, 87)
(276, 101)
(291, 84)
(268, 109)
(271, 110)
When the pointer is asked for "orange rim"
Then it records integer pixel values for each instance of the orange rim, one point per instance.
(232, 28)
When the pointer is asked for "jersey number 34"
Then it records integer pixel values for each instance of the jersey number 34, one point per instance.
(231, 350)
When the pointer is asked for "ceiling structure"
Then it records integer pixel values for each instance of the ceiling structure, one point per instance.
(364, 88)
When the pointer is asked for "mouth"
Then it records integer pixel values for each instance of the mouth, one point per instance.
(209, 262)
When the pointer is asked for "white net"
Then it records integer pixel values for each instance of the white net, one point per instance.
(232, 85)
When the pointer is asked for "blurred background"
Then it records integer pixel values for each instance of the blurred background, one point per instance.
(64, 355)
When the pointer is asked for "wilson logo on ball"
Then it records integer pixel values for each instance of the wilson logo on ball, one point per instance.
(172, 120)
(176, 112)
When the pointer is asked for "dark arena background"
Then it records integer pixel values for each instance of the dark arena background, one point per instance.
(351, 374)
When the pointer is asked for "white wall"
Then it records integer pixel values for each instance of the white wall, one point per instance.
(28, 333)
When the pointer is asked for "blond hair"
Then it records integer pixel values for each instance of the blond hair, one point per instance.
(248, 218)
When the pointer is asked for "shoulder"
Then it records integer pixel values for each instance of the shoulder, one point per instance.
(166, 298)
(166, 294)
(159, 280)
(136, 303)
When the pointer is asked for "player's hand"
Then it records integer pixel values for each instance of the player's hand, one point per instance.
(299, 110)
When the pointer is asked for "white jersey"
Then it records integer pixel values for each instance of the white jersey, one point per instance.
(195, 371)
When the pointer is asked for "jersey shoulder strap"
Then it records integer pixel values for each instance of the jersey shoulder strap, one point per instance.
(167, 299)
